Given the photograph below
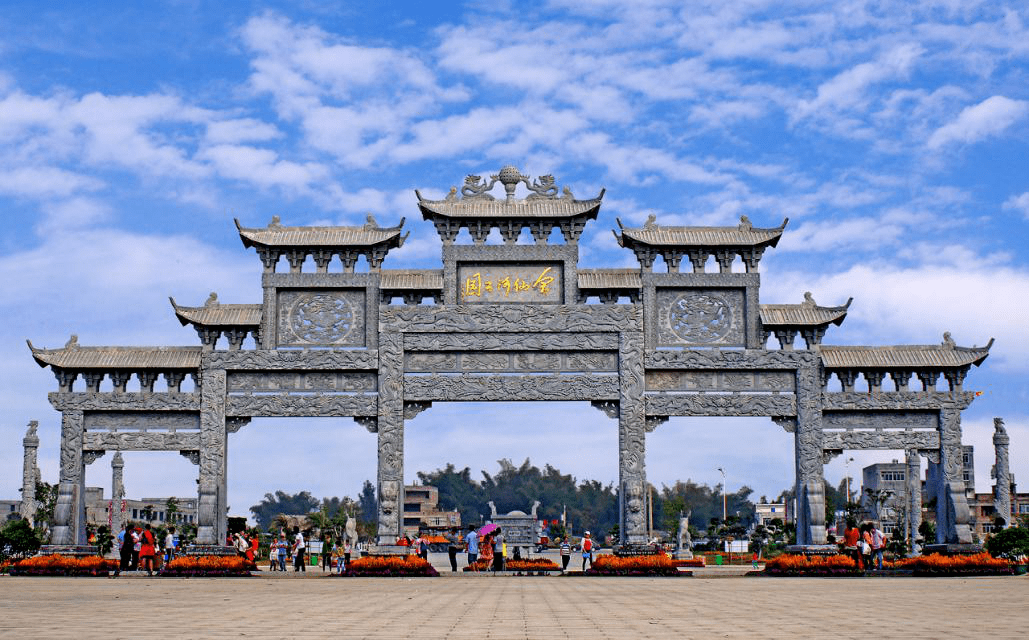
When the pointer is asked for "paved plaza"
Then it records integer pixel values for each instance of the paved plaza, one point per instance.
(481, 606)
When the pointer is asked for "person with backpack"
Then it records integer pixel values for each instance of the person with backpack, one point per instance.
(587, 550)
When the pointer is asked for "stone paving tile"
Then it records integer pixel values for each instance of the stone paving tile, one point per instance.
(484, 607)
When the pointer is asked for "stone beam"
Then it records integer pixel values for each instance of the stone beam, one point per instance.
(509, 388)
(286, 405)
(158, 401)
(879, 439)
(140, 441)
(492, 318)
(703, 404)
(756, 359)
(586, 341)
(142, 420)
(896, 401)
(292, 360)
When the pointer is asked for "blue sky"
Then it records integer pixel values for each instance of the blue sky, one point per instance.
(892, 134)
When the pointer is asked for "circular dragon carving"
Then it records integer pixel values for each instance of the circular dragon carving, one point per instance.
(321, 318)
(700, 318)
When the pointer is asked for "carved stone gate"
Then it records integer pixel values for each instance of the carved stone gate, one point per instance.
(511, 321)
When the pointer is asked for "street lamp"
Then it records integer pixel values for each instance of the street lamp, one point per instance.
(722, 471)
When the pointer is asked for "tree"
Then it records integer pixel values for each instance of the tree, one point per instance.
(282, 503)
(18, 538)
(1011, 543)
(46, 502)
(171, 508)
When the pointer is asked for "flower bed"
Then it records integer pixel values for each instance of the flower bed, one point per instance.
(934, 564)
(58, 565)
(800, 565)
(530, 564)
(654, 565)
(390, 566)
(206, 567)
(691, 562)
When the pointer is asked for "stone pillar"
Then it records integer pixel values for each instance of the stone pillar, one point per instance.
(1001, 472)
(632, 436)
(117, 492)
(70, 510)
(810, 485)
(952, 515)
(914, 497)
(29, 473)
(390, 430)
(211, 522)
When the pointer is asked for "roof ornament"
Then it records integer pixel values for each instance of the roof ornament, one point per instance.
(745, 224)
(809, 301)
(998, 424)
(212, 300)
(73, 342)
(276, 222)
(34, 424)
(370, 222)
(651, 222)
(476, 187)
(543, 187)
(948, 342)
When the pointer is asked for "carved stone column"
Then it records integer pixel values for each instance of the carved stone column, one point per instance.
(211, 522)
(391, 436)
(952, 515)
(70, 510)
(1001, 472)
(117, 492)
(632, 436)
(810, 485)
(29, 473)
(914, 497)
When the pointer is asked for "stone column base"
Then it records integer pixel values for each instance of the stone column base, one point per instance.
(71, 550)
(210, 550)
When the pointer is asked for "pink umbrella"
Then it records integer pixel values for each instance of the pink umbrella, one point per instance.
(488, 529)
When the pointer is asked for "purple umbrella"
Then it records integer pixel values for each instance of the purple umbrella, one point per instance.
(488, 529)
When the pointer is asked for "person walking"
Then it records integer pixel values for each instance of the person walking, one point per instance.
(587, 550)
(282, 550)
(453, 544)
(326, 556)
(851, 541)
(136, 544)
(472, 544)
(299, 549)
(146, 549)
(566, 554)
(878, 546)
(273, 554)
(347, 550)
(169, 544)
(498, 550)
(423, 548)
(126, 548)
(866, 544)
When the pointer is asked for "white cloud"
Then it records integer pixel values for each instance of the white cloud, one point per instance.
(45, 182)
(1019, 203)
(988, 118)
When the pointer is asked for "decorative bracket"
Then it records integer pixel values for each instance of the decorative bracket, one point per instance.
(652, 422)
(411, 409)
(235, 423)
(610, 407)
(371, 423)
(829, 454)
(89, 457)
(788, 424)
(192, 454)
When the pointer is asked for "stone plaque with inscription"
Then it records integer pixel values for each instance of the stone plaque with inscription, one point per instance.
(510, 282)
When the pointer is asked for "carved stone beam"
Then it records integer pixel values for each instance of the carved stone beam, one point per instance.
(193, 455)
(371, 423)
(89, 457)
(872, 440)
(788, 423)
(413, 408)
(235, 423)
(652, 422)
(609, 407)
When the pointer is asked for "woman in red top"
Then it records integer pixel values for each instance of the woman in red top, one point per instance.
(146, 550)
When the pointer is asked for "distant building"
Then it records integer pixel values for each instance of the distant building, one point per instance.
(9, 509)
(152, 510)
(421, 511)
(884, 494)
(765, 511)
(984, 513)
